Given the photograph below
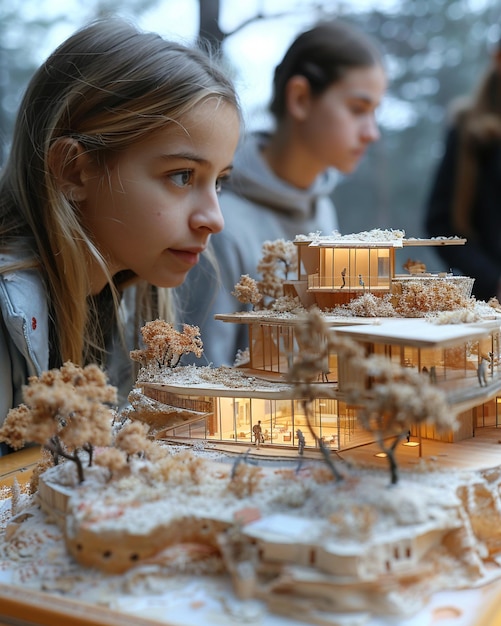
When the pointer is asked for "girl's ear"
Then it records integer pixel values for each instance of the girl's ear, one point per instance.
(298, 97)
(68, 162)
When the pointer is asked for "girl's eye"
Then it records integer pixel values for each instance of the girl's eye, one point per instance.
(220, 181)
(181, 179)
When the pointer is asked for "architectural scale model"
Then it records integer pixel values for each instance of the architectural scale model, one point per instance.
(421, 321)
(347, 352)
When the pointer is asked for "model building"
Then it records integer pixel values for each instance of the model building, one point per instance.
(424, 322)
(346, 352)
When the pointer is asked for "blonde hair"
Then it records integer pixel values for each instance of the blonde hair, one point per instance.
(107, 87)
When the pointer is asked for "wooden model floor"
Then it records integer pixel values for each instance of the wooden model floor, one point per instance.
(478, 452)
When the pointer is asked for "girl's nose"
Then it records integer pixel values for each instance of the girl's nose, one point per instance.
(208, 214)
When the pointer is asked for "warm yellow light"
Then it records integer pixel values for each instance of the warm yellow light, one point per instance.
(411, 444)
(381, 455)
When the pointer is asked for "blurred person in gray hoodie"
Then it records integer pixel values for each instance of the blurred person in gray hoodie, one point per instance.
(325, 94)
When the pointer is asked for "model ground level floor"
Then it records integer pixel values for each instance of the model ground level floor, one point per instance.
(284, 422)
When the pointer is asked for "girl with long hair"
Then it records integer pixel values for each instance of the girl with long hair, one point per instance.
(109, 197)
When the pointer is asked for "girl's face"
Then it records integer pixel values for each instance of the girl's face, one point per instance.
(340, 123)
(155, 209)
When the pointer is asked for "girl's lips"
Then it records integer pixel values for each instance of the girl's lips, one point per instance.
(188, 257)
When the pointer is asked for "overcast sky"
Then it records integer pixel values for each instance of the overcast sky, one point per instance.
(254, 51)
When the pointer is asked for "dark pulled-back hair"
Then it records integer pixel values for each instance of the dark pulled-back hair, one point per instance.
(322, 55)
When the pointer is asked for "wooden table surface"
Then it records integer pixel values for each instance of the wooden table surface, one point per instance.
(18, 465)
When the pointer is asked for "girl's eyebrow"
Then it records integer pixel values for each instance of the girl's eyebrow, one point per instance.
(190, 156)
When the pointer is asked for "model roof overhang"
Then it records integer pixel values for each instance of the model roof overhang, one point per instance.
(345, 241)
(271, 318)
(419, 333)
(281, 391)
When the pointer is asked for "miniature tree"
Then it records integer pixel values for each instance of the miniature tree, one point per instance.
(311, 364)
(65, 410)
(398, 398)
(112, 458)
(175, 469)
(419, 298)
(369, 305)
(279, 258)
(132, 438)
(247, 291)
(245, 480)
(165, 345)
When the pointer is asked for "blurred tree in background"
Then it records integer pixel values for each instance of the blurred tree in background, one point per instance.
(436, 50)
(29, 31)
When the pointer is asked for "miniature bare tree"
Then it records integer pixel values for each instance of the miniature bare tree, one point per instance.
(165, 345)
(247, 291)
(66, 411)
(398, 399)
(311, 364)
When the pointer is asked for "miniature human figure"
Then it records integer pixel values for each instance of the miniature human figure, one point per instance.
(482, 372)
(258, 434)
(343, 277)
(464, 196)
(301, 442)
(325, 93)
(109, 196)
(361, 281)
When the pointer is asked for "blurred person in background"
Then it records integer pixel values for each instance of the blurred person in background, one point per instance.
(325, 94)
(465, 197)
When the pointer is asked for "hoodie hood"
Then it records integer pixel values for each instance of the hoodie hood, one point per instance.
(253, 179)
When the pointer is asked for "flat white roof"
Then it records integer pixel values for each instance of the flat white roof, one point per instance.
(419, 332)
(398, 242)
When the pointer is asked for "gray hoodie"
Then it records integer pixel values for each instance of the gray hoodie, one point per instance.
(257, 206)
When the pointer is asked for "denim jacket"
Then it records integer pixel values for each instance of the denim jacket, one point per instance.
(24, 338)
